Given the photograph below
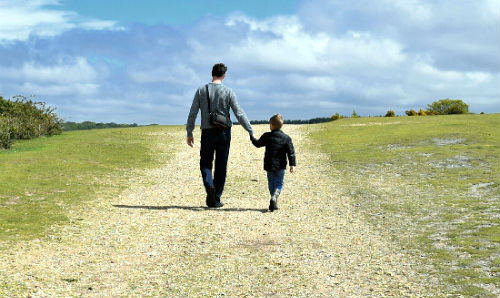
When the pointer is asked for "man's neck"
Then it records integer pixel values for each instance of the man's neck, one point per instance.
(217, 81)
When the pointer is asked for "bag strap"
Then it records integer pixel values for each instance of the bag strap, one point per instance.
(208, 100)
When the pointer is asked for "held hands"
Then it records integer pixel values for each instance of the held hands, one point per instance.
(190, 141)
(292, 170)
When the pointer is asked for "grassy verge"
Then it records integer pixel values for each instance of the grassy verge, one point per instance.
(433, 183)
(40, 179)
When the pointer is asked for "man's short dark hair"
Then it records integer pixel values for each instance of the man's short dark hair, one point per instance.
(219, 70)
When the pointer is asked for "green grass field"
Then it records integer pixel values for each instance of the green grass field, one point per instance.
(40, 179)
(433, 183)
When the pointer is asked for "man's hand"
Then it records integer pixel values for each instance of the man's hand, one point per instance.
(190, 141)
(292, 169)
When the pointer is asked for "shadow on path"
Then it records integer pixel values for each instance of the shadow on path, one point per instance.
(191, 208)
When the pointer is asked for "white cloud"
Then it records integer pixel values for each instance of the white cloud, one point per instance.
(76, 71)
(295, 49)
(99, 25)
(291, 49)
(67, 77)
(21, 18)
(174, 74)
(454, 77)
(323, 83)
(492, 10)
(54, 89)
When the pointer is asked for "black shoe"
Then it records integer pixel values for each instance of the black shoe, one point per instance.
(211, 200)
(216, 205)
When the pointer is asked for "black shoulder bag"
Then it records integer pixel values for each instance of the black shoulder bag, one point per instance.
(217, 119)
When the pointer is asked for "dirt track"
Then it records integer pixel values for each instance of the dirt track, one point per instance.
(157, 239)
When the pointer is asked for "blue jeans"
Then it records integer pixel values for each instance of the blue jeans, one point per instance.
(214, 141)
(275, 180)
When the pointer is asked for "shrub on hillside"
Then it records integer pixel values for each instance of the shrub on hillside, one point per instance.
(337, 116)
(354, 114)
(448, 106)
(411, 112)
(422, 113)
(5, 134)
(23, 118)
(390, 113)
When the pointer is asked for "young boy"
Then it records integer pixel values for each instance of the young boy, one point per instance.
(278, 146)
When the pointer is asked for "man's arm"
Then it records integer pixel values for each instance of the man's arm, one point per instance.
(193, 113)
(240, 114)
(290, 152)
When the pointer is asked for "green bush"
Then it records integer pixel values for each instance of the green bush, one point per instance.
(5, 133)
(422, 113)
(448, 106)
(411, 112)
(354, 114)
(337, 116)
(23, 118)
(390, 113)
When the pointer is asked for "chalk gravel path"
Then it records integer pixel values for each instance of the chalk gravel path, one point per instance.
(157, 240)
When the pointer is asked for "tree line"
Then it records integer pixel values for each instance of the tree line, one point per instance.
(310, 121)
(68, 125)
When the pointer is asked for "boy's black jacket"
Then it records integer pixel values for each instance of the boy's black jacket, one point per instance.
(278, 146)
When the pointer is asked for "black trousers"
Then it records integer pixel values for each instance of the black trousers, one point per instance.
(214, 142)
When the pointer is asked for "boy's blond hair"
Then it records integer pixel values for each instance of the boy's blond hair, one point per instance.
(276, 121)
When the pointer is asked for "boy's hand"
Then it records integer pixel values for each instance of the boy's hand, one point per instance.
(292, 169)
(190, 141)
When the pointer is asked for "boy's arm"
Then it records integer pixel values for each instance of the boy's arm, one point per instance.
(260, 142)
(291, 153)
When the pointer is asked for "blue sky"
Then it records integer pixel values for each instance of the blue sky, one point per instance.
(151, 12)
(141, 61)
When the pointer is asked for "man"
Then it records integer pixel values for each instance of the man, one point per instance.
(213, 139)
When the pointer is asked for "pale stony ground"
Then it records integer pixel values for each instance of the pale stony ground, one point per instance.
(158, 240)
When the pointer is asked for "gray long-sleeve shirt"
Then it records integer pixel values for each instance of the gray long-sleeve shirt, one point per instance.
(221, 99)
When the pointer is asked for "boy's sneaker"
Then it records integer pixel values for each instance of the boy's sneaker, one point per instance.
(273, 203)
